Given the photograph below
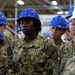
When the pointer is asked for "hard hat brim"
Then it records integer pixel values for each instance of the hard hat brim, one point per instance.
(1, 40)
(67, 17)
(20, 19)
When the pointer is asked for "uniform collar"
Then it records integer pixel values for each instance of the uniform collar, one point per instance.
(35, 43)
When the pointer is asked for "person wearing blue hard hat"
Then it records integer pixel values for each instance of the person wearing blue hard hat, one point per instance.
(70, 63)
(35, 54)
(3, 23)
(71, 20)
(4, 51)
(57, 29)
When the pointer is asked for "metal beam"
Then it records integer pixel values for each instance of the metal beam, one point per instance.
(74, 1)
(39, 2)
(39, 7)
(15, 17)
(70, 3)
(44, 6)
(51, 4)
(11, 3)
(3, 5)
(63, 1)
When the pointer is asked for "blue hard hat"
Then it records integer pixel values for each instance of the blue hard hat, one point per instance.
(2, 19)
(18, 29)
(67, 26)
(71, 12)
(1, 37)
(28, 13)
(58, 21)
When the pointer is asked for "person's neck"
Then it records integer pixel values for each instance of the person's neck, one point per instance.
(30, 38)
(57, 42)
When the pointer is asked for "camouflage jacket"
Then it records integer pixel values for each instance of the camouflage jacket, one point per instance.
(36, 58)
(4, 55)
(69, 66)
(63, 54)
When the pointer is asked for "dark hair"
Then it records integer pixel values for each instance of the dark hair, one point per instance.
(64, 29)
(37, 25)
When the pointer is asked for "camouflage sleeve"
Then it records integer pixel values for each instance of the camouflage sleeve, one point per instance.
(70, 66)
(12, 68)
(2, 67)
(4, 56)
(65, 53)
(52, 52)
(9, 63)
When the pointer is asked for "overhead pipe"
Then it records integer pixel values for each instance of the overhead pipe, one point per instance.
(11, 30)
(70, 3)
(15, 16)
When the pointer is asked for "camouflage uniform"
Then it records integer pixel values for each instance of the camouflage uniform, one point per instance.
(63, 53)
(4, 55)
(8, 33)
(69, 66)
(36, 58)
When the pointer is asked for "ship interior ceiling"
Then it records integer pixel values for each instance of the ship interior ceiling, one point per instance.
(41, 6)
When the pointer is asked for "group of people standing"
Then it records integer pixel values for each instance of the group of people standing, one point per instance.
(35, 54)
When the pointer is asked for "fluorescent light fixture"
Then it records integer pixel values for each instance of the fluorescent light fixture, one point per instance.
(66, 12)
(54, 2)
(20, 2)
(60, 12)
